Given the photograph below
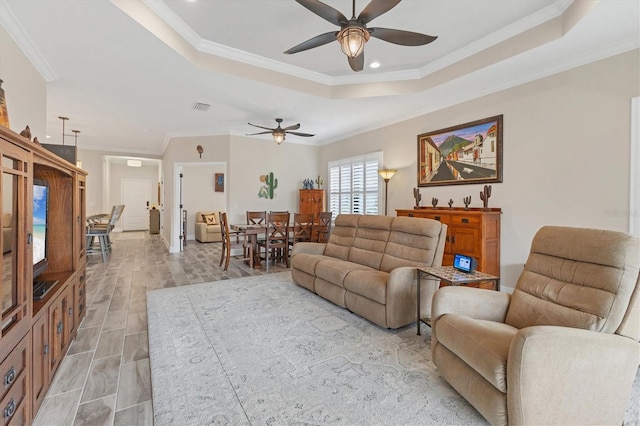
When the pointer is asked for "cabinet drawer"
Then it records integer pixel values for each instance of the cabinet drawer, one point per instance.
(13, 366)
(13, 405)
(470, 220)
(444, 218)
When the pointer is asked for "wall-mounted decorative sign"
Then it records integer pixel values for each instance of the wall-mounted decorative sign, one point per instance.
(463, 154)
(271, 184)
(219, 182)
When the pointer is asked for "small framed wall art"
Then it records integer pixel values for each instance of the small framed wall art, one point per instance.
(219, 182)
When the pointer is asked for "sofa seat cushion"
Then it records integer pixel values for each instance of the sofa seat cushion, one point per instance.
(334, 270)
(307, 262)
(483, 345)
(370, 284)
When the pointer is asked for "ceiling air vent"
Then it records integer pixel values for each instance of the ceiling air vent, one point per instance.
(199, 106)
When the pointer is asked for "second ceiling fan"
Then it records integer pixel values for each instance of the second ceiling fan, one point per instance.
(354, 33)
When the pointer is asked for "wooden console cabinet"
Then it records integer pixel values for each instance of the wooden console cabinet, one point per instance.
(312, 201)
(36, 334)
(473, 232)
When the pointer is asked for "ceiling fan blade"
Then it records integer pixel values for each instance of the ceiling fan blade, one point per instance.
(260, 127)
(357, 63)
(314, 42)
(375, 9)
(404, 38)
(292, 127)
(259, 133)
(325, 11)
(306, 135)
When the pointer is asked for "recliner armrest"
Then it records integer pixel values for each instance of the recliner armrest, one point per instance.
(472, 302)
(565, 375)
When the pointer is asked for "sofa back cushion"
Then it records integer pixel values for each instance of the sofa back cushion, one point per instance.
(200, 217)
(341, 239)
(575, 277)
(414, 242)
(370, 240)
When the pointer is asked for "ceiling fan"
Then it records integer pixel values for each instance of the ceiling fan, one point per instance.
(279, 133)
(354, 33)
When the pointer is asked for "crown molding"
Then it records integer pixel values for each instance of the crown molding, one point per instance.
(9, 22)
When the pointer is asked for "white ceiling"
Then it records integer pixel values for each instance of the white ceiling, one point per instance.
(127, 72)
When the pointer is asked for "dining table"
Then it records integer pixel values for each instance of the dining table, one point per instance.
(252, 232)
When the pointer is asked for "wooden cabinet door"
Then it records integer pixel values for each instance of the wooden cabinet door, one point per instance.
(56, 325)
(79, 300)
(66, 313)
(40, 361)
(465, 241)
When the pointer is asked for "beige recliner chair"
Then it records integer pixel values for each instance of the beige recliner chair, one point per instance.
(563, 349)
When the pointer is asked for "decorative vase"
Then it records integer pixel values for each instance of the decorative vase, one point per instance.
(4, 115)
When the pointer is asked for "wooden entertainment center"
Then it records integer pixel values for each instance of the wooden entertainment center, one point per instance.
(36, 334)
(473, 232)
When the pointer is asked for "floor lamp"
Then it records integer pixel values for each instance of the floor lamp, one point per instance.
(386, 174)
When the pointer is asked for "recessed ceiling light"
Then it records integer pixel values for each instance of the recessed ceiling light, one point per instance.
(374, 64)
(48, 137)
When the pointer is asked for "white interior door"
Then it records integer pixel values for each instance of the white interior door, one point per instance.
(136, 194)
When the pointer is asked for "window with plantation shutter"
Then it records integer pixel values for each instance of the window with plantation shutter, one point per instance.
(353, 185)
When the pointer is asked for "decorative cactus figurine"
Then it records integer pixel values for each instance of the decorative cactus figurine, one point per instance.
(434, 201)
(417, 196)
(319, 182)
(484, 196)
(466, 201)
(450, 202)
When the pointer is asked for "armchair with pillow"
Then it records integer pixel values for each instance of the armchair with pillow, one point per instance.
(563, 348)
(208, 227)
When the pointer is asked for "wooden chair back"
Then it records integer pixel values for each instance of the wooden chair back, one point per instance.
(324, 226)
(256, 218)
(302, 227)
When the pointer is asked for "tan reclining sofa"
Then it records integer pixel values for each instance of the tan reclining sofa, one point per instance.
(369, 266)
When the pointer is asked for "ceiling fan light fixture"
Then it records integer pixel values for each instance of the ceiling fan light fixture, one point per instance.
(352, 40)
(278, 137)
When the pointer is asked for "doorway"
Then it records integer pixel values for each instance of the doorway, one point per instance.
(136, 196)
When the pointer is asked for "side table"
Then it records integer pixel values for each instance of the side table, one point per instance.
(453, 277)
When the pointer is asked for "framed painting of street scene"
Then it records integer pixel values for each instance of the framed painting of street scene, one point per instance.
(463, 154)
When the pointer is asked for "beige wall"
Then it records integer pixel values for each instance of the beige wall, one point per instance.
(198, 192)
(25, 89)
(566, 145)
(251, 158)
(181, 153)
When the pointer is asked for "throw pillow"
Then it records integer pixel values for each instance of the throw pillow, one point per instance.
(209, 219)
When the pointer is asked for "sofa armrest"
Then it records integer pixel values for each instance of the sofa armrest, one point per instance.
(565, 375)
(310, 248)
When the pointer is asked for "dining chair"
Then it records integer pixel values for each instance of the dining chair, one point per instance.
(256, 218)
(102, 231)
(276, 243)
(324, 226)
(231, 240)
(302, 227)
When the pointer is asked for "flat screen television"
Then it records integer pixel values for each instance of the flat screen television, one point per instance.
(40, 223)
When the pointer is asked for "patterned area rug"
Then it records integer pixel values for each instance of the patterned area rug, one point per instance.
(262, 350)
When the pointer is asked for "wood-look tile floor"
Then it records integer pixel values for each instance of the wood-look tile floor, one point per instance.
(105, 378)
